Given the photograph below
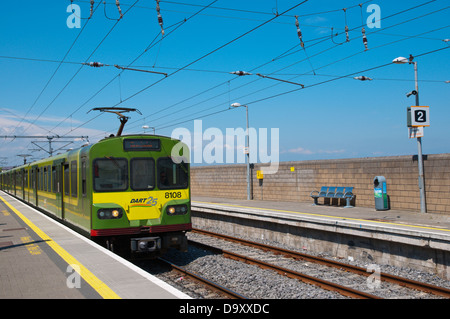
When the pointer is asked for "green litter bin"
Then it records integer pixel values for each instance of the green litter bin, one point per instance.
(380, 193)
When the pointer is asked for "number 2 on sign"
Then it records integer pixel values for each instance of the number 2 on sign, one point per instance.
(421, 116)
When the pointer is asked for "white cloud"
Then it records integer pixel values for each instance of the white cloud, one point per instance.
(301, 150)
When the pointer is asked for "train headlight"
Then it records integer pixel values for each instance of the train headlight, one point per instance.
(177, 209)
(109, 213)
(115, 213)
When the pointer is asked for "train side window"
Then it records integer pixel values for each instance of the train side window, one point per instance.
(142, 174)
(83, 177)
(66, 180)
(73, 178)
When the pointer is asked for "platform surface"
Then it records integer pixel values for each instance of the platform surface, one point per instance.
(40, 258)
(426, 223)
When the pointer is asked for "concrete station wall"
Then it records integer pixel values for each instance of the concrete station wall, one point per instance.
(401, 173)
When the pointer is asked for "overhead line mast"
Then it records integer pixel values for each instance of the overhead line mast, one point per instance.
(48, 137)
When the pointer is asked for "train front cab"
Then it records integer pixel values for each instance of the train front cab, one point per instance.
(140, 196)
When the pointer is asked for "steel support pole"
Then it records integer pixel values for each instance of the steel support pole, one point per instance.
(249, 196)
(423, 206)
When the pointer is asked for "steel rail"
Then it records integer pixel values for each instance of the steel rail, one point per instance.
(409, 283)
(230, 293)
(346, 291)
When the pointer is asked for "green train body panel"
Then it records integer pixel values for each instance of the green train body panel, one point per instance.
(134, 177)
(141, 207)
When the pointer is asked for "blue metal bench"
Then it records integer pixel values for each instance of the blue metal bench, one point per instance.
(334, 192)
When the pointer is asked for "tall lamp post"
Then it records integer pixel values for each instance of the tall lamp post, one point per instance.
(249, 197)
(402, 60)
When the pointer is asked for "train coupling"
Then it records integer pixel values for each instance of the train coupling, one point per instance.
(146, 244)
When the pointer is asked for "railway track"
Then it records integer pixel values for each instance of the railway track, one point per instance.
(203, 281)
(229, 266)
(346, 291)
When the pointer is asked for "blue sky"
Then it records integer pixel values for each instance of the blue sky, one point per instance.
(342, 118)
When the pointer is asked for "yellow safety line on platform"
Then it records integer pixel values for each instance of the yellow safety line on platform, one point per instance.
(88, 276)
(328, 216)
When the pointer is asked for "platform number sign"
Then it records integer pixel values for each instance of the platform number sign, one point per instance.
(419, 116)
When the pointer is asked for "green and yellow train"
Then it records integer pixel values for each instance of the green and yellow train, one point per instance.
(127, 192)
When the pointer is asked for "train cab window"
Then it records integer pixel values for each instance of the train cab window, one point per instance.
(142, 174)
(172, 175)
(110, 174)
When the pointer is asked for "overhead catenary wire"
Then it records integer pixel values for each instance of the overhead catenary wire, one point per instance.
(79, 69)
(321, 52)
(215, 50)
(91, 9)
(340, 77)
(363, 30)
(174, 67)
(164, 126)
(325, 38)
(322, 82)
(110, 81)
(153, 43)
(302, 44)
(54, 72)
(160, 19)
(211, 52)
(282, 55)
(220, 104)
(232, 9)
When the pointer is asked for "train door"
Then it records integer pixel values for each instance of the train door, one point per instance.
(55, 189)
(58, 185)
(27, 184)
(83, 197)
(34, 185)
(22, 182)
(13, 183)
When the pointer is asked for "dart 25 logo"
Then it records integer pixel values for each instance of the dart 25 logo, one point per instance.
(144, 202)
